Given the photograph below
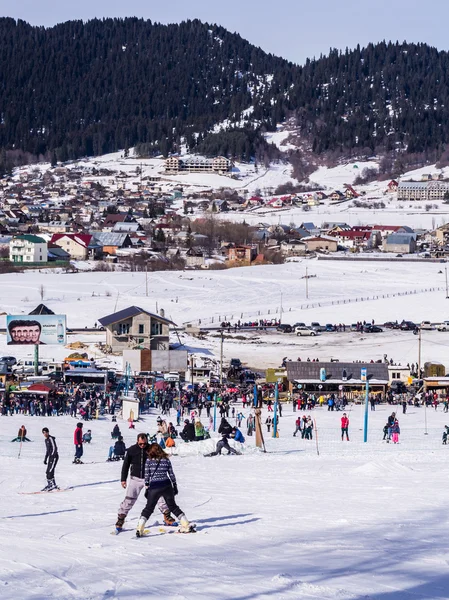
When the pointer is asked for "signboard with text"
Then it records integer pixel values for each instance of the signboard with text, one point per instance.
(36, 330)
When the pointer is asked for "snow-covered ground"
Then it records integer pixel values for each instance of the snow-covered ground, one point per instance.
(358, 522)
(339, 292)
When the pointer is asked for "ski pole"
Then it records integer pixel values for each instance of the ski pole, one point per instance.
(316, 436)
(21, 442)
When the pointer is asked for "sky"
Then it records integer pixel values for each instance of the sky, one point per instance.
(293, 29)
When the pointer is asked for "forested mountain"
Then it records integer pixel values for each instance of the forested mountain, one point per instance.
(89, 88)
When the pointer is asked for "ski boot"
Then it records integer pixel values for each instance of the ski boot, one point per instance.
(120, 522)
(168, 519)
(185, 527)
(140, 527)
(47, 488)
(53, 486)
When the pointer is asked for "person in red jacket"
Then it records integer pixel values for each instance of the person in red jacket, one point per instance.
(344, 427)
(78, 441)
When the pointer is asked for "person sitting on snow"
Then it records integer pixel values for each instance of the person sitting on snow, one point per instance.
(87, 437)
(118, 450)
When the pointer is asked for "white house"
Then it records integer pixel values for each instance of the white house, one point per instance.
(28, 248)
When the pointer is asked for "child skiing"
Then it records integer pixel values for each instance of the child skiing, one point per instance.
(51, 460)
(395, 431)
(78, 441)
(161, 483)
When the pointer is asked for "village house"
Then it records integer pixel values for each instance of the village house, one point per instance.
(242, 254)
(402, 243)
(136, 327)
(77, 245)
(28, 249)
(111, 242)
(353, 238)
(195, 257)
(320, 243)
(293, 247)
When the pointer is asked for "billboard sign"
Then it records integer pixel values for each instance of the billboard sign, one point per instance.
(363, 374)
(36, 330)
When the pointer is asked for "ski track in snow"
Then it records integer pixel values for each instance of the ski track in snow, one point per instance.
(360, 521)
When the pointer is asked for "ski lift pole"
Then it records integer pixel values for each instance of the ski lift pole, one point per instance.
(215, 411)
(256, 401)
(364, 376)
(276, 401)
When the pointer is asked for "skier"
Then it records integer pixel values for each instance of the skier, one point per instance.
(344, 427)
(21, 435)
(268, 423)
(51, 460)
(160, 482)
(78, 441)
(135, 459)
(395, 431)
(404, 407)
(445, 434)
(226, 430)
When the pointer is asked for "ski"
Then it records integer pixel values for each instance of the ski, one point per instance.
(46, 492)
(145, 533)
(192, 529)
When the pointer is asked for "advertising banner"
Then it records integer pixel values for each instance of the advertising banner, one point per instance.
(35, 330)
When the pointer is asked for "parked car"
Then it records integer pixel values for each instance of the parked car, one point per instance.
(427, 325)
(305, 331)
(408, 326)
(236, 364)
(354, 327)
(372, 329)
(329, 327)
(317, 327)
(284, 328)
(299, 325)
(398, 387)
(10, 361)
(444, 326)
(392, 325)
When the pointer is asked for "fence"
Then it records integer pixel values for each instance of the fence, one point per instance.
(275, 313)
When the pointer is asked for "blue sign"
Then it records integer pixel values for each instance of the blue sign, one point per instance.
(363, 374)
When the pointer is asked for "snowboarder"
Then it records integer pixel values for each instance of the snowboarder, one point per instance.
(344, 427)
(160, 482)
(78, 441)
(51, 460)
(135, 459)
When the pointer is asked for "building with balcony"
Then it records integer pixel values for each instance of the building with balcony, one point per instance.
(28, 249)
(135, 327)
(198, 164)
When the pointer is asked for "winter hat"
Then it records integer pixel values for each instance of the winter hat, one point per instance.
(79, 424)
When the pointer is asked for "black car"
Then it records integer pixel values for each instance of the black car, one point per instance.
(392, 325)
(372, 329)
(9, 361)
(285, 328)
(408, 326)
(236, 364)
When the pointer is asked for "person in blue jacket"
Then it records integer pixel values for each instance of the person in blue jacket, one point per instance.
(238, 435)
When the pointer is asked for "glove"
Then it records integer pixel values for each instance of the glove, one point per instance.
(146, 493)
(175, 489)
(45, 462)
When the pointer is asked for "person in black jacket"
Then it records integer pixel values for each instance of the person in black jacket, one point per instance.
(226, 430)
(51, 460)
(118, 450)
(188, 433)
(135, 459)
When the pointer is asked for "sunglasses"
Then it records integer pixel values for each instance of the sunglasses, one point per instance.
(141, 443)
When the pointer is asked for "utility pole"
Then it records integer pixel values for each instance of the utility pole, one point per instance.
(447, 292)
(280, 313)
(419, 353)
(221, 361)
(146, 279)
(307, 283)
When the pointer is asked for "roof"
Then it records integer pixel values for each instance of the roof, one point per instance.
(413, 185)
(111, 239)
(128, 313)
(30, 238)
(83, 239)
(400, 238)
(41, 309)
(310, 371)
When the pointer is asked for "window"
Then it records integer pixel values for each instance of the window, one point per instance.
(156, 328)
(141, 328)
(123, 328)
